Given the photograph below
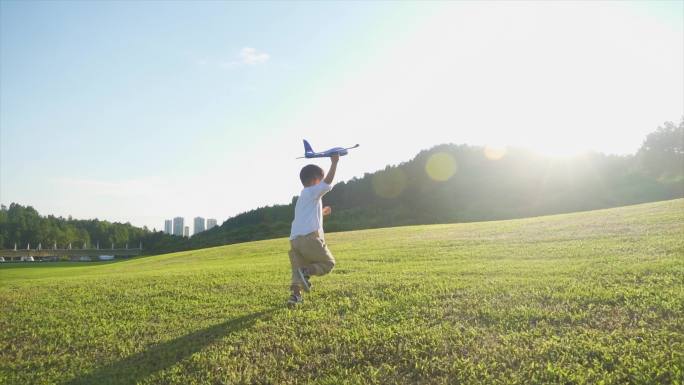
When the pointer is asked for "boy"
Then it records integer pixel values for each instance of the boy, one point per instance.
(309, 255)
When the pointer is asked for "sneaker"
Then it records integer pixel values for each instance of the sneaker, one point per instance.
(294, 300)
(303, 274)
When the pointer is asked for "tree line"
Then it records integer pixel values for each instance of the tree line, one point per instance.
(447, 183)
(23, 226)
(478, 183)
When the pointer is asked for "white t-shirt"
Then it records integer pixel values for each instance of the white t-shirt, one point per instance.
(309, 210)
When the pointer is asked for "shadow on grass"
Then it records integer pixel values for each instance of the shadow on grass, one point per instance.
(138, 366)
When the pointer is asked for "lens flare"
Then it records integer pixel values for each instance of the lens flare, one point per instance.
(494, 152)
(440, 166)
(389, 183)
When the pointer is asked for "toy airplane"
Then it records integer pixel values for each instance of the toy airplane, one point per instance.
(310, 153)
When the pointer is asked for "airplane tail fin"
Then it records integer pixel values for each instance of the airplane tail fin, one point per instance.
(307, 148)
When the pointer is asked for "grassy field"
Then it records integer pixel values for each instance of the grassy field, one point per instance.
(584, 298)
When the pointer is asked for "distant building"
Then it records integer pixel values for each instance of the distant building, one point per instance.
(211, 222)
(178, 223)
(199, 225)
(168, 226)
(186, 231)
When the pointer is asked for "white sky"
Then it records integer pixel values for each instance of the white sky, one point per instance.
(556, 77)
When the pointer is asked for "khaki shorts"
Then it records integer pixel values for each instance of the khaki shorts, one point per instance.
(311, 252)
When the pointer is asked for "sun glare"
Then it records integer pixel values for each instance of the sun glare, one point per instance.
(389, 183)
(440, 166)
(495, 152)
(560, 151)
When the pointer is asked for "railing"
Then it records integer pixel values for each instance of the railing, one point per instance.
(82, 254)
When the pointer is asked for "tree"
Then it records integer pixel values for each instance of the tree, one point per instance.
(662, 153)
(477, 188)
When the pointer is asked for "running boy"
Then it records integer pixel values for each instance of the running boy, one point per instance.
(309, 255)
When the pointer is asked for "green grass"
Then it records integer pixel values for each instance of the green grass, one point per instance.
(584, 298)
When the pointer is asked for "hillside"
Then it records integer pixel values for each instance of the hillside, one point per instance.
(459, 183)
(446, 184)
(577, 298)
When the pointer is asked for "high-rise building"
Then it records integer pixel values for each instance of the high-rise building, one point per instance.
(178, 223)
(211, 222)
(168, 226)
(186, 231)
(199, 225)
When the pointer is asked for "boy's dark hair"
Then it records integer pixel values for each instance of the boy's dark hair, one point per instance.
(309, 173)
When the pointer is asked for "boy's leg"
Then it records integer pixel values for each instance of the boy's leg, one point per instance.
(318, 259)
(296, 261)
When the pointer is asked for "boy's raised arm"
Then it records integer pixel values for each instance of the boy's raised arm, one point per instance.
(333, 167)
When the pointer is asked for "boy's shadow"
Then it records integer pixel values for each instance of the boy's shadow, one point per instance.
(136, 367)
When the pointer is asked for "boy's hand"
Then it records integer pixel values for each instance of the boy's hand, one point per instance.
(327, 210)
(335, 158)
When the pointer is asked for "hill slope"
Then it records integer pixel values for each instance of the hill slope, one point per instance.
(573, 298)
(459, 183)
